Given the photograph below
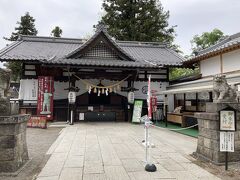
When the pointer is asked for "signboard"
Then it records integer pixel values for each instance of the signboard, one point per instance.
(227, 120)
(45, 96)
(227, 141)
(72, 97)
(137, 111)
(37, 122)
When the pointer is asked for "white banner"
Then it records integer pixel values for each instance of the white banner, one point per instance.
(28, 89)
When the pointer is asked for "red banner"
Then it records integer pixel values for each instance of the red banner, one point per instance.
(45, 96)
(149, 100)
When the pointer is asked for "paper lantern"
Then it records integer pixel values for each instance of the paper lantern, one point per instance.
(131, 97)
(89, 90)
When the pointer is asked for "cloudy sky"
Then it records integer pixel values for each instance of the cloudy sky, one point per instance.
(77, 17)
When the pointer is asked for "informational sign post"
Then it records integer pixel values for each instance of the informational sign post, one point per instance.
(227, 127)
(137, 111)
(227, 141)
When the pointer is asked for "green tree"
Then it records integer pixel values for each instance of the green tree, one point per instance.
(175, 73)
(26, 26)
(206, 39)
(56, 32)
(137, 20)
(199, 42)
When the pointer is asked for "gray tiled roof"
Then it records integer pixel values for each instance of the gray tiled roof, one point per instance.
(54, 50)
(99, 62)
(226, 43)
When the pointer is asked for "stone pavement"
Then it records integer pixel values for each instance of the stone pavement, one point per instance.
(113, 151)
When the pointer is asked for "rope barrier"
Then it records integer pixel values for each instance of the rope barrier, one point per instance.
(189, 127)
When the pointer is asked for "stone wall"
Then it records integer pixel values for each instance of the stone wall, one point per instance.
(209, 135)
(13, 145)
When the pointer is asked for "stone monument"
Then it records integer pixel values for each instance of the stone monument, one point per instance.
(13, 146)
(208, 147)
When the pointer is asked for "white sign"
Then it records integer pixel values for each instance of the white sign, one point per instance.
(137, 111)
(28, 89)
(81, 116)
(227, 141)
(90, 108)
(72, 97)
(131, 97)
(227, 120)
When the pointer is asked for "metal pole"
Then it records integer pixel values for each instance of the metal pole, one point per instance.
(166, 122)
(226, 160)
(71, 121)
(146, 144)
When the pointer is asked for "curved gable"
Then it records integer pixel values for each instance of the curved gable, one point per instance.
(100, 45)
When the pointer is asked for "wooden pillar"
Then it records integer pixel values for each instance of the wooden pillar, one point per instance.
(221, 64)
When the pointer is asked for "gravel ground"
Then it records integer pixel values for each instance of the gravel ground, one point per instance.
(38, 141)
(233, 172)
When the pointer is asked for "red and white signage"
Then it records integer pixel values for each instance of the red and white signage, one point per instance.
(45, 96)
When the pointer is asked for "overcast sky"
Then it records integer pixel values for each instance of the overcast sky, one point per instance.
(77, 17)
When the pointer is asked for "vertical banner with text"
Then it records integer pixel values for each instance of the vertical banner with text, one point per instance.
(45, 96)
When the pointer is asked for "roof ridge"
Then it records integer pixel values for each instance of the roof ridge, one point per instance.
(50, 39)
(234, 36)
(143, 42)
(227, 39)
(10, 47)
(219, 43)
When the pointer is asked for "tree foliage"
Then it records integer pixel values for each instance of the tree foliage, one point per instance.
(56, 32)
(26, 26)
(199, 42)
(137, 20)
(206, 39)
(175, 73)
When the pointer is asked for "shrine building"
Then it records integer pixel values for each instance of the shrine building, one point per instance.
(102, 71)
